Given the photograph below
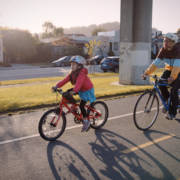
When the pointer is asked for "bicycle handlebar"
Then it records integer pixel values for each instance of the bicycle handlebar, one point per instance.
(157, 79)
(60, 91)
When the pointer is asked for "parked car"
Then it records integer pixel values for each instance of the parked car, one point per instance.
(64, 61)
(110, 63)
(96, 60)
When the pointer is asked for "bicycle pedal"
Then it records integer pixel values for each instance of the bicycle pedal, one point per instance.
(57, 111)
(77, 121)
(52, 124)
(164, 110)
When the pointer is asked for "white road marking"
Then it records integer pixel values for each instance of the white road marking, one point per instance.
(67, 128)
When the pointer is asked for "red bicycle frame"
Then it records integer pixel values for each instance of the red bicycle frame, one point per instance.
(73, 109)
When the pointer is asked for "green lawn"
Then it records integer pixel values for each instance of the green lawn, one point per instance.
(31, 93)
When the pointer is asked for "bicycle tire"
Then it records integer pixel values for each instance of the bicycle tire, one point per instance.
(43, 120)
(106, 114)
(137, 115)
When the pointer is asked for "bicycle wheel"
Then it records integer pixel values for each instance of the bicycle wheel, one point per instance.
(146, 110)
(47, 128)
(100, 115)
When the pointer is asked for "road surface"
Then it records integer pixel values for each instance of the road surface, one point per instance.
(117, 151)
(27, 72)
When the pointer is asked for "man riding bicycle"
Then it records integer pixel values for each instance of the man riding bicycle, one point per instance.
(169, 55)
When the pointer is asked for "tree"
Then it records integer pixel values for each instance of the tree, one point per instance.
(51, 31)
(48, 30)
(58, 31)
(48, 27)
(19, 45)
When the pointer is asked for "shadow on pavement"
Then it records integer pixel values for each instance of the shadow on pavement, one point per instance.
(117, 161)
(68, 164)
(109, 160)
(148, 135)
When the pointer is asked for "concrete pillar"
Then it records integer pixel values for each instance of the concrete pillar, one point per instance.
(135, 40)
(1, 51)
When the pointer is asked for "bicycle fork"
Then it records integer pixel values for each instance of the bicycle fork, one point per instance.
(147, 110)
(55, 121)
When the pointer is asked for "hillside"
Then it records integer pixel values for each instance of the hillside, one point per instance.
(87, 30)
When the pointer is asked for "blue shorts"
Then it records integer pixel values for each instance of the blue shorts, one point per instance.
(87, 95)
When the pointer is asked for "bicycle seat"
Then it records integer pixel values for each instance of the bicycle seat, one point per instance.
(69, 97)
(163, 81)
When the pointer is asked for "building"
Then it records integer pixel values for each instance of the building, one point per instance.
(67, 45)
(110, 41)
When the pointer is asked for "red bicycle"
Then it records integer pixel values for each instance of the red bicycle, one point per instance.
(53, 122)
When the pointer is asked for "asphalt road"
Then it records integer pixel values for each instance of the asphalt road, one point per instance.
(26, 72)
(33, 72)
(117, 151)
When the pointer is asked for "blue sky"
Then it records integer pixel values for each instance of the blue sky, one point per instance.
(31, 14)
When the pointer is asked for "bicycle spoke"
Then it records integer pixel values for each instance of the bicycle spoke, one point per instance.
(146, 111)
(99, 115)
(51, 125)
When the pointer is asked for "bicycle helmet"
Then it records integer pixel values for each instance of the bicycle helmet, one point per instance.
(78, 60)
(172, 37)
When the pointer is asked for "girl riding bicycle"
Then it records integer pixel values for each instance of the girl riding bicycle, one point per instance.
(82, 85)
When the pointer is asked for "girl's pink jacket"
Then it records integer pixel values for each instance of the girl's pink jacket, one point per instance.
(83, 83)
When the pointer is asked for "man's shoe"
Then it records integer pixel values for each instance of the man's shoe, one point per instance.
(86, 125)
(170, 116)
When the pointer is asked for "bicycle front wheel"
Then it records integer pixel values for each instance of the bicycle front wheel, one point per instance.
(52, 125)
(146, 110)
(99, 114)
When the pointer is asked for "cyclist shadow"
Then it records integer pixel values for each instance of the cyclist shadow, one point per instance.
(117, 159)
(148, 136)
(178, 120)
(67, 163)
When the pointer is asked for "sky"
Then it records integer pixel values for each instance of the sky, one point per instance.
(166, 15)
(31, 14)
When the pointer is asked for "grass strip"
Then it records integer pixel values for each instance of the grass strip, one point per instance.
(38, 95)
(40, 80)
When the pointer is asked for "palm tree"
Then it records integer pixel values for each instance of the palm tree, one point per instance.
(48, 27)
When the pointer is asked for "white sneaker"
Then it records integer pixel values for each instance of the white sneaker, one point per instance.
(170, 116)
(86, 125)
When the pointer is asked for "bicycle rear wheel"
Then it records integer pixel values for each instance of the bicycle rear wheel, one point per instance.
(146, 110)
(47, 128)
(99, 114)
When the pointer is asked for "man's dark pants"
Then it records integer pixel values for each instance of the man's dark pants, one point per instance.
(173, 93)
